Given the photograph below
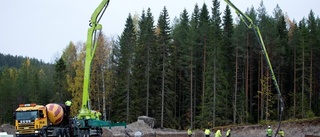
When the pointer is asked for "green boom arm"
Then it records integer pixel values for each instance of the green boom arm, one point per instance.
(91, 45)
(256, 29)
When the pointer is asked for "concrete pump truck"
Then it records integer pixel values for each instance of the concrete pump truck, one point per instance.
(54, 119)
(249, 23)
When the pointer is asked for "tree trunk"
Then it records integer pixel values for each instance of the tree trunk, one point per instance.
(214, 87)
(203, 76)
(247, 82)
(103, 95)
(302, 85)
(235, 90)
(262, 88)
(162, 95)
(295, 83)
(148, 80)
(128, 95)
(310, 81)
(191, 90)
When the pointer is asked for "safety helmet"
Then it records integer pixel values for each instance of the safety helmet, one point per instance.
(269, 127)
(68, 103)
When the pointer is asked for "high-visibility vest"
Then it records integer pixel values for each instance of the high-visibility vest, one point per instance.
(189, 132)
(218, 134)
(269, 132)
(207, 132)
(228, 132)
(281, 133)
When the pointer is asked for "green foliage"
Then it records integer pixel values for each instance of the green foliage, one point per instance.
(310, 114)
(26, 84)
(124, 95)
(166, 64)
(200, 71)
(60, 82)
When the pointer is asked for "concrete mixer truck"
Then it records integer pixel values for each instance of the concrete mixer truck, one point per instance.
(54, 119)
(50, 120)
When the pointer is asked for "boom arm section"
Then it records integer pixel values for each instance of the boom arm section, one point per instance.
(91, 45)
(256, 29)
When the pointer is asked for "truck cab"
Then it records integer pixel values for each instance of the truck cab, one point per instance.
(29, 119)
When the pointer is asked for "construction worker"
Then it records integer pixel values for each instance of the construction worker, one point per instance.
(218, 134)
(228, 134)
(68, 103)
(189, 132)
(281, 133)
(269, 132)
(207, 132)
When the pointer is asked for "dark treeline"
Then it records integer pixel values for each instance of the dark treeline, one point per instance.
(204, 69)
(16, 61)
(23, 80)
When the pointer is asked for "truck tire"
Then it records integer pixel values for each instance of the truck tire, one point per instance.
(86, 133)
(67, 133)
(59, 133)
(63, 133)
(82, 133)
(43, 133)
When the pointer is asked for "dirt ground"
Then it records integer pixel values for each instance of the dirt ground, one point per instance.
(309, 128)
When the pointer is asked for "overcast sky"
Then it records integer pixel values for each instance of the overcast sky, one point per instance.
(42, 29)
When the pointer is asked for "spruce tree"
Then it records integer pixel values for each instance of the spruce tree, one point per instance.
(60, 82)
(202, 67)
(141, 71)
(167, 70)
(122, 95)
(194, 40)
(182, 51)
(228, 50)
(312, 42)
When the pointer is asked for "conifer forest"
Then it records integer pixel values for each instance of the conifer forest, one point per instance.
(203, 68)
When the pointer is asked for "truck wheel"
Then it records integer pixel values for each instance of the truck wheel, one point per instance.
(63, 133)
(59, 133)
(87, 133)
(99, 132)
(67, 133)
(82, 133)
(43, 133)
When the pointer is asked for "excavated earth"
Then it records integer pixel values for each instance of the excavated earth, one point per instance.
(306, 128)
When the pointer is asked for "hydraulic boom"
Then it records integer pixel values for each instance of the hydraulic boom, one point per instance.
(244, 18)
(91, 44)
